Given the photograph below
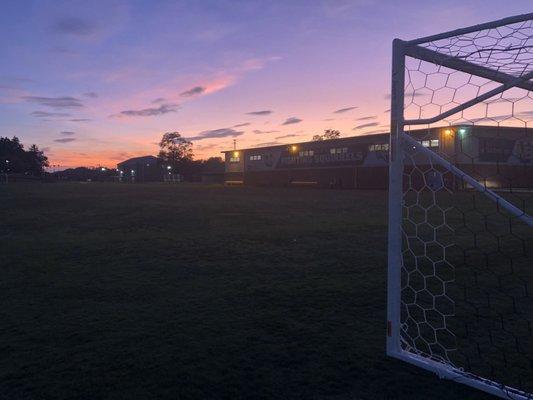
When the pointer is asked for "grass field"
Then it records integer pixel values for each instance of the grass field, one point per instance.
(198, 292)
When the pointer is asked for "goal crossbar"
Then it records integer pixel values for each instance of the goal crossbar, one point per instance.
(475, 28)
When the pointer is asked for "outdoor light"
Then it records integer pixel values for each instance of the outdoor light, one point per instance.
(462, 131)
(169, 167)
(235, 154)
(294, 147)
(103, 168)
(132, 171)
(448, 132)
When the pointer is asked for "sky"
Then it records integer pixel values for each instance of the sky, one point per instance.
(96, 82)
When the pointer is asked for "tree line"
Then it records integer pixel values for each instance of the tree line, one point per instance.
(174, 150)
(177, 152)
(14, 159)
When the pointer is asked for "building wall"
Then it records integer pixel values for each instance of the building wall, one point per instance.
(342, 163)
(495, 155)
(143, 171)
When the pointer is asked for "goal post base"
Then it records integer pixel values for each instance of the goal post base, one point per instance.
(448, 372)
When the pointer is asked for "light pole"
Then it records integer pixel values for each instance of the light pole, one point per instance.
(6, 171)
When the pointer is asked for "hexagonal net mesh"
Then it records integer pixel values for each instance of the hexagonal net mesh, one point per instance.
(466, 296)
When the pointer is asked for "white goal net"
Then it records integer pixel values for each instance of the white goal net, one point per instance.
(460, 274)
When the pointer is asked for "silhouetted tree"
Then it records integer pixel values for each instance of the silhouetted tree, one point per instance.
(214, 164)
(328, 134)
(331, 134)
(36, 160)
(175, 150)
(14, 159)
(85, 174)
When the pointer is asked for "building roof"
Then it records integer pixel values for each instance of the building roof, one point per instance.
(385, 135)
(362, 138)
(136, 160)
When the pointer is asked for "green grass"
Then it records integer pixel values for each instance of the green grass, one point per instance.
(198, 292)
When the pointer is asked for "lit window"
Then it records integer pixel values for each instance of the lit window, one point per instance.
(426, 143)
(234, 159)
(434, 143)
(306, 153)
(339, 150)
(379, 147)
(255, 158)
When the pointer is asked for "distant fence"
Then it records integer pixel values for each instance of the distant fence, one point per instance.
(13, 178)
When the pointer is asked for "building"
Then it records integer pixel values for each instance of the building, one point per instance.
(497, 156)
(141, 169)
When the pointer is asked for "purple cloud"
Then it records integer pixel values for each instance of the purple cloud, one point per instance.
(73, 26)
(343, 110)
(54, 102)
(262, 112)
(363, 126)
(150, 112)
(65, 140)
(216, 134)
(292, 120)
(197, 90)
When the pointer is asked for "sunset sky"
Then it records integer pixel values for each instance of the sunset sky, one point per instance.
(94, 83)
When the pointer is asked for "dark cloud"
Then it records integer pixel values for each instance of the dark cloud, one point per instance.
(241, 125)
(206, 146)
(150, 112)
(528, 113)
(121, 156)
(45, 114)
(366, 118)
(408, 94)
(262, 112)
(363, 126)
(343, 110)
(81, 119)
(19, 79)
(158, 100)
(287, 136)
(216, 134)
(68, 133)
(65, 140)
(374, 131)
(92, 95)
(258, 132)
(291, 120)
(64, 50)
(266, 144)
(193, 91)
(55, 102)
(73, 26)
(13, 82)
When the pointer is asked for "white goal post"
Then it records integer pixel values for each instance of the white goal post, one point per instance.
(460, 239)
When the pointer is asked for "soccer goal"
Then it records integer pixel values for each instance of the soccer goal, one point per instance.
(460, 255)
